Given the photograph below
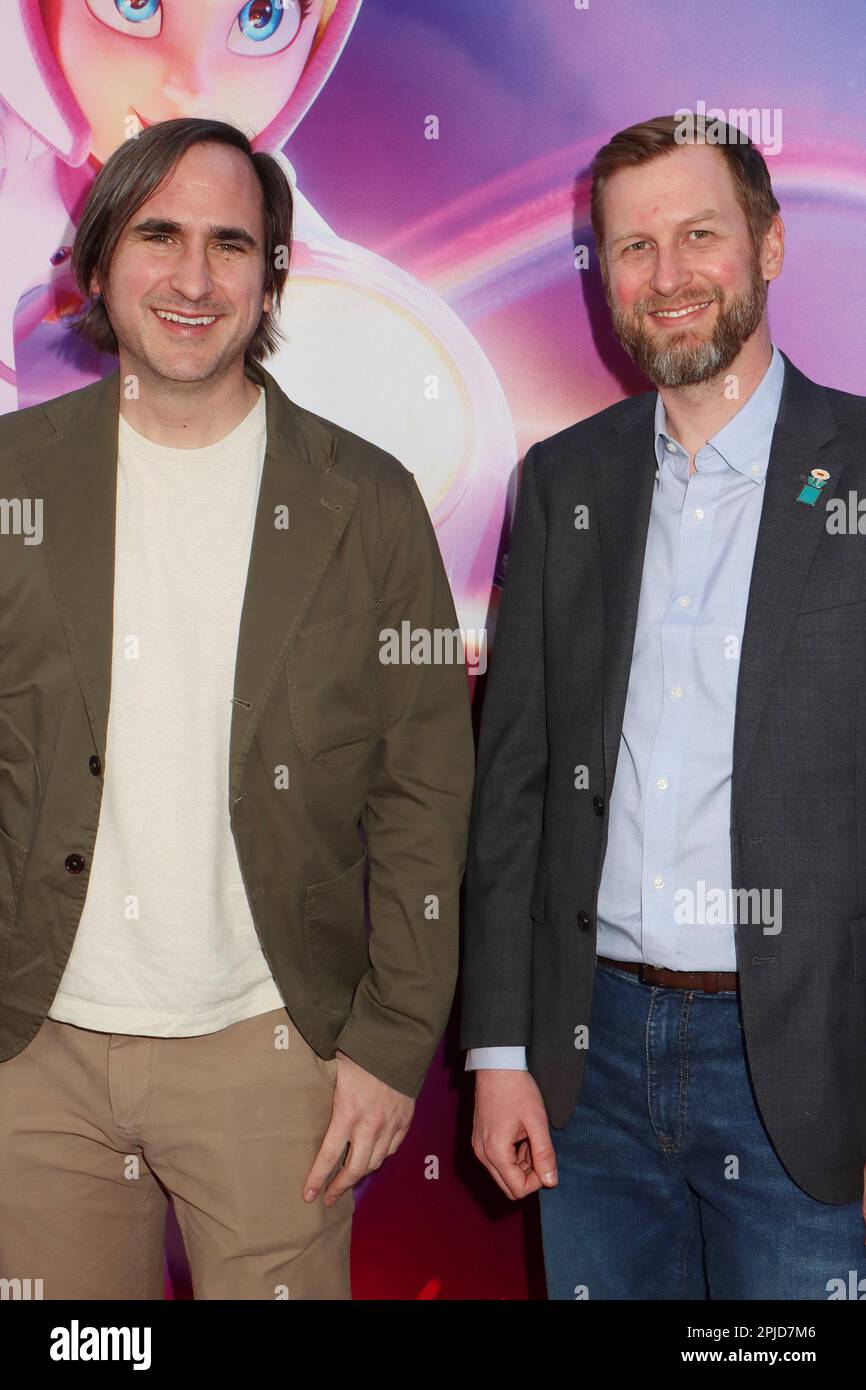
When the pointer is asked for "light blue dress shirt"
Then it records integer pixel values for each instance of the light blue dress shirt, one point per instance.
(668, 849)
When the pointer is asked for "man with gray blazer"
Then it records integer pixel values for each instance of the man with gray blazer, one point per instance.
(665, 935)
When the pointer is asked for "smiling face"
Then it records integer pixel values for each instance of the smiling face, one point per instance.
(685, 285)
(195, 248)
(130, 61)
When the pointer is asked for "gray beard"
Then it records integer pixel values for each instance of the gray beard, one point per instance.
(686, 363)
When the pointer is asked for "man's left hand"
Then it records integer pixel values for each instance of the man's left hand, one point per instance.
(368, 1115)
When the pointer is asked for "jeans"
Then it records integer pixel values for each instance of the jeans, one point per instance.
(668, 1186)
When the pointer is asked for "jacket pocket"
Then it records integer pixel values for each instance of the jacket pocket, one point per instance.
(13, 858)
(331, 672)
(336, 938)
(858, 947)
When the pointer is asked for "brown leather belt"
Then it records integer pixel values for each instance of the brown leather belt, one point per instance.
(709, 980)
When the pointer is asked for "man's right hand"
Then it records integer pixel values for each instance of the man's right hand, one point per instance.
(510, 1135)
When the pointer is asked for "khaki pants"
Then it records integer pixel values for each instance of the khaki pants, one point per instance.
(98, 1131)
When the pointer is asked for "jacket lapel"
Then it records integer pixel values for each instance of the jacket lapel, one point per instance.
(624, 474)
(71, 465)
(285, 565)
(71, 461)
(788, 534)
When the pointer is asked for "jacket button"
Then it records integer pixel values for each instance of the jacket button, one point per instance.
(74, 863)
(583, 921)
(598, 805)
(95, 765)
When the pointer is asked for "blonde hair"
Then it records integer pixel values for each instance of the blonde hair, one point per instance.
(327, 12)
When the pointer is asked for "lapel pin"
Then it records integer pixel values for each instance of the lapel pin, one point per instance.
(811, 490)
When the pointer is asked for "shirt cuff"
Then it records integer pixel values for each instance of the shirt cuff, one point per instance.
(501, 1058)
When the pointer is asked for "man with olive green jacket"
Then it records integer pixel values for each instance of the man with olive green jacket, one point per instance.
(193, 986)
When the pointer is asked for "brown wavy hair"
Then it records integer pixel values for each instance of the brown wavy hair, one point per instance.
(130, 176)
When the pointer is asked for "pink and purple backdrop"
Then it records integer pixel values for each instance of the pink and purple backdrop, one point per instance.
(440, 154)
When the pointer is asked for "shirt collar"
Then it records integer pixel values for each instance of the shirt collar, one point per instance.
(744, 442)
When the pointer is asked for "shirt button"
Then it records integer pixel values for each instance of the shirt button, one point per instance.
(684, 601)
(662, 783)
(74, 863)
(756, 468)
(658, 881)
(698, 513)
(671, 448)
(677, 692)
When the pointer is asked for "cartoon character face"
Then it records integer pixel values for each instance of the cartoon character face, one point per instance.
(131, 61)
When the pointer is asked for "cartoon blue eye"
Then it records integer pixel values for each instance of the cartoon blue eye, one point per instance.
(264, 27)
(141, 19)
(260, 18)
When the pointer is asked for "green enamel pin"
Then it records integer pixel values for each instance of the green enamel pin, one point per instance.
(811, 490)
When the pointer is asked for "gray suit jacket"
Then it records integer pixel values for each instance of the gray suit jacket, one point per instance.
(555, 699)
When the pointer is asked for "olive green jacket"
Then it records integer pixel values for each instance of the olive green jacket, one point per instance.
(327, 741)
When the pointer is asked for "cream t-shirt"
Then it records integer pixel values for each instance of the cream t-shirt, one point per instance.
(166, 944)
